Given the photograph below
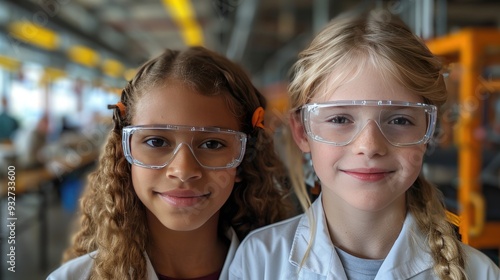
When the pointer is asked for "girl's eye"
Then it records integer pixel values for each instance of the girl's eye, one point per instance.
(339, 120)
(156, 142)
(401, 121)
(212, 145)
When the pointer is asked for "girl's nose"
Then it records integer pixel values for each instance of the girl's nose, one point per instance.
(184, 165)
(370, 141)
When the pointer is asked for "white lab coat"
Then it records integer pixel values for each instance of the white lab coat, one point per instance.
(275, 252)
(80, 268)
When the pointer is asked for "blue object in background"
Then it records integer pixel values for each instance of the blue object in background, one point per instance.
(70, 193)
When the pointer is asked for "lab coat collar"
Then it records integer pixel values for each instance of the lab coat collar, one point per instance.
(408, 256)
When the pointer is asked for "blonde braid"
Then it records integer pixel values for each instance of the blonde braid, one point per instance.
(424, 202)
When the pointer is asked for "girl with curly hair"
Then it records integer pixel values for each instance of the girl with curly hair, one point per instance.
(364, 99)
(187, 171)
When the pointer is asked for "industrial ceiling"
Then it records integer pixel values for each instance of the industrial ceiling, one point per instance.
(263, 36)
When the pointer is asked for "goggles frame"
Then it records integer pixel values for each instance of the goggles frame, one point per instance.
(430, 110)
(128, 131)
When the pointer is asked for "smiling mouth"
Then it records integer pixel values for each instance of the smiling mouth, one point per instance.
(183, 200)
(368, 176)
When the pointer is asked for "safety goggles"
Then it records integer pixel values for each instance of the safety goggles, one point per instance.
(156, 146)
(340, 122)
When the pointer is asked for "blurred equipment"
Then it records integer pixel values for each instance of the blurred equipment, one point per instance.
(469, 53)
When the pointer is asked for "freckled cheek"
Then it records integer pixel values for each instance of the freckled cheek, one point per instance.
(325, 165)
(325, 158)
(412, 161)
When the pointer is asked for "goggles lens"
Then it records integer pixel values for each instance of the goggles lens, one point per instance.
(156, 146)
(338, 123)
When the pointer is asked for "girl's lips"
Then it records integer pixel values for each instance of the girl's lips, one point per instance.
(368, 175)
(183, 198)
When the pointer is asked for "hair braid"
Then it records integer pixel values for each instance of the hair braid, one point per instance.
(424, 202)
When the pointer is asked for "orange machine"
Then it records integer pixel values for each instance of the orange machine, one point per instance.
(473, 50)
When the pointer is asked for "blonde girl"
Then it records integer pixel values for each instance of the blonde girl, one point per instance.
(187, 171)
(364, 99)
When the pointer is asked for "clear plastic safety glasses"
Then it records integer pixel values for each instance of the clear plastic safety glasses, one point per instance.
(339, 122)
(156, 146)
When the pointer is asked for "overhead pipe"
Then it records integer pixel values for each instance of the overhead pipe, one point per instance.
(427, 18)
(441, 19)
(245, 15)
(320, 14)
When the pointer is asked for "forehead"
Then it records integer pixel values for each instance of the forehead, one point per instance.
(178, 104)
(363, 82)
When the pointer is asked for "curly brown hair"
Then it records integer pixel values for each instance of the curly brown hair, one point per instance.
(383, 40)
(113, 219)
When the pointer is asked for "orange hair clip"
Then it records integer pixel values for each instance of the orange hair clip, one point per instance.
(258, 118)
(122, 109)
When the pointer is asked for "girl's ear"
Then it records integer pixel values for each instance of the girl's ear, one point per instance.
(299, 133)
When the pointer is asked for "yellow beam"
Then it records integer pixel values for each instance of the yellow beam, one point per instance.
(9, 64)
(129, 74)
(112, 68)
(34, 34)
(83, 55)
(183, 14)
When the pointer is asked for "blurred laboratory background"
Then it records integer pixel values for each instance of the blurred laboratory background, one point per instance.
(63, 61)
